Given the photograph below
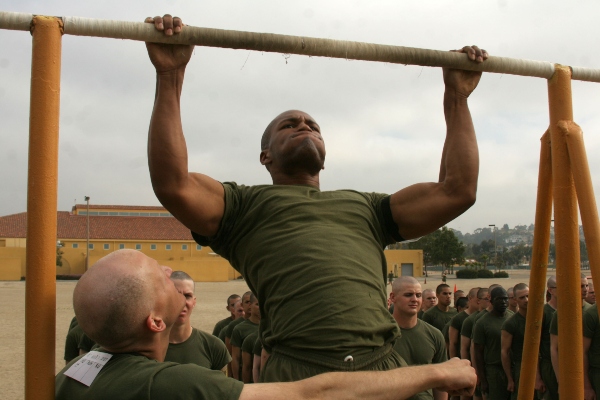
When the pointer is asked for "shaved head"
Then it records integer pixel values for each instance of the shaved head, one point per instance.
(113, 299)
(403, 280)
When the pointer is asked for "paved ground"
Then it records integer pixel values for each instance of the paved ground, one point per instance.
(210, 309)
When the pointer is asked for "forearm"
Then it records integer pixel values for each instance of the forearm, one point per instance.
(236, 358)
(256, 369)
(247, 364)
(167, 151)
(465, 344)
(459, 167)
(454, 338)
(480, 364)
(554, 354)
(400, 383)
(505, 357)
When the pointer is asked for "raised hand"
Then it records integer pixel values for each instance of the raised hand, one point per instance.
(168, 57)
(463, 82)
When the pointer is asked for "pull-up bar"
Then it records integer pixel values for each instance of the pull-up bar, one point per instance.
(307, 46)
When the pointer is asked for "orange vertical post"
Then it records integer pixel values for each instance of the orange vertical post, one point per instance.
(537, 278)
(585, 194)
(40, 291)
(566, 230)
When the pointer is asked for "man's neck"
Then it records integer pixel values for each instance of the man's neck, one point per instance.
(553, 302)
(180, 333)
(513, 309)
(300, 179)
(405, 321)
(254, 320)
(523, 312)
(443, 308)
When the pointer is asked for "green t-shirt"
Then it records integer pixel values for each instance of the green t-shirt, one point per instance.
(477, 318)
(515, 325)
(72, 342)
(249, 342)
(133, 376)
(467, 326)
(591, 330)
(420, 314)
(554, 322)
(220, 325)
(230, 327)
(242, 331)
(257, 349)
(301, 251)
(438, 318)
(85, 343)
(487, 333)
(201, 349)
(545, 338)
(423, 344)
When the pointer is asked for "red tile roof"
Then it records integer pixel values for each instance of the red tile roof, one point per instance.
(70, 226)
(112, 207)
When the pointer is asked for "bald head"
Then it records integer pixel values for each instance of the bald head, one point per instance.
(113, 299)
(401, 281)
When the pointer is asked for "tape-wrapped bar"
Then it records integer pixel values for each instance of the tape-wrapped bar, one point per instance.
(15, 21)
(269, 42)
(308, 46)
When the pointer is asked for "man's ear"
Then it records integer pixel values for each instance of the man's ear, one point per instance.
(155, 323)
(265, 157)
(392, 297)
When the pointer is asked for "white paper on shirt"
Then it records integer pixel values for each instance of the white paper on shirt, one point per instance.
(87, 367)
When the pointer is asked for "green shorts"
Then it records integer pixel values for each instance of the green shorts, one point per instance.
(289, 365)
(497, 383)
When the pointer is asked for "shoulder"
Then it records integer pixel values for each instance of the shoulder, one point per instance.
(430, 330)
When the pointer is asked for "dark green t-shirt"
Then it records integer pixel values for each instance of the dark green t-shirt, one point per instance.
(72, 342)
(545, 339)
(591, 330)
(201, 349)
(133, 376)
(249, 342)
(487, 333)
(220, 325)
(257, 349)
(241, 331)
(423, 344)
(301, 251)
(554, 322)
(231, 326)
(477, 318)
(438, 318)
(515, 325)
(467, 326)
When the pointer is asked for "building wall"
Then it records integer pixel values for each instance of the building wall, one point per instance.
(12, 263)
(201, 263)
(395, 259)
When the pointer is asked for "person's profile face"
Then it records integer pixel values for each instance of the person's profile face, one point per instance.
(238, 310)
(522, 298)
(186, 288)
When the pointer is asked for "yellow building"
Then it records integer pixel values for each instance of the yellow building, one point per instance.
(151, 230)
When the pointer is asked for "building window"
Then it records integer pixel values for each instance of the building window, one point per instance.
(91, 246)
(121, 246)
(75, 245)
(138, 246)
(184, 247)
(168, 247)
(198, 247)
(106, 246)
(152, 247)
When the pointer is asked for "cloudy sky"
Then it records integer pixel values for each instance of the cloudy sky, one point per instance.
(383, 124)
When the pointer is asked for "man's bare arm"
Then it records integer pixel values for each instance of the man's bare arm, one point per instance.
(454, 340)
(401, 383)
(247, 364)
(194, 199)
(554, 354)
(480, 367)
(465, 347)
(236, 359)
(506, 343)
(256, 368)
(424, 207)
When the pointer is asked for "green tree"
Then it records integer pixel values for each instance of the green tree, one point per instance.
(441, 247)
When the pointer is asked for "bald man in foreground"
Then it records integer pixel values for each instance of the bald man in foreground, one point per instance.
(128, 305)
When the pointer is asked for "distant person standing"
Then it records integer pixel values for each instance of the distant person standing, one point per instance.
(429, 300)
(513, 338)
(231, 300)
(439, 315)
(591, 294)
(390, 277)
(546, 383)
(512, 301)
(591, 353)
(457, 321)
(420, 342)
(241, 332)
(487, 339)
(188, 345)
